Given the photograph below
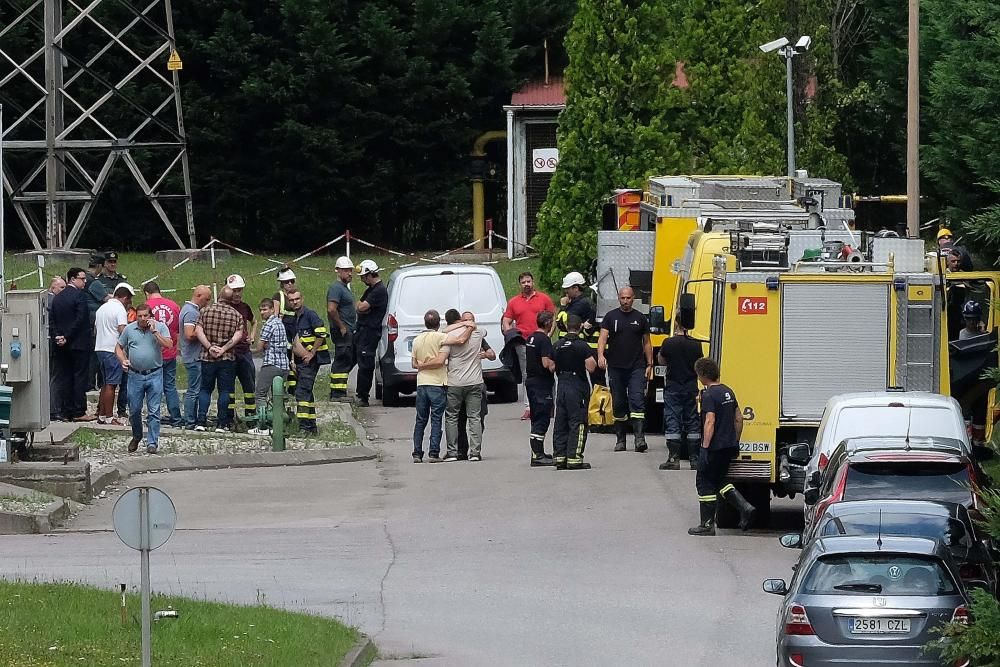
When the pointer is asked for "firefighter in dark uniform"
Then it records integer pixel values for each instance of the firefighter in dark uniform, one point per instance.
(286, 285)
(311, 351)
(723, 424)
(679, 353)
(574, 359)
(539, 383)
(629, 365)
(371, 312)
(575, 302)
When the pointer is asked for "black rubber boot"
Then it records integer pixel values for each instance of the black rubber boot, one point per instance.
(746, 510)
(693, 449)
(621, 430)
(639, 431)
(707, 525)
(673, 461)
(538, 456)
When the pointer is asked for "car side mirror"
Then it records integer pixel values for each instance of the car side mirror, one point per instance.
(775, 586)
(982, 453)
(811, 496)
(791, 540)
(799, 454)
(686, 310)
(657, 319)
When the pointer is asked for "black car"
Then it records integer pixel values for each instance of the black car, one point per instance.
(947, 522)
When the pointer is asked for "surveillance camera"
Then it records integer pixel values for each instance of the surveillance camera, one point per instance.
(775, 45)
(805, 41)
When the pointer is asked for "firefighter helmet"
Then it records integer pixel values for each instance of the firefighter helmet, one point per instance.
(367, 266)
(285, 274)
(344, 263)
(972, 310)
(944, 232)
(573, 278)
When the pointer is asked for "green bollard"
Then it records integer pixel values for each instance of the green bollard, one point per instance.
(278, 414)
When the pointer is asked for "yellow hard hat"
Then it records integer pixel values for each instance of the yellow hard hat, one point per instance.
(944, 232)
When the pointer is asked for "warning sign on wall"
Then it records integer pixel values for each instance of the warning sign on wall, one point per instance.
(544, 160)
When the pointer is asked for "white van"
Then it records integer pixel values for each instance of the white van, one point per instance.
(416, 289)
(885, 413)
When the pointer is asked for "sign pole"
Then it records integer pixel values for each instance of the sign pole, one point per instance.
(147, 658)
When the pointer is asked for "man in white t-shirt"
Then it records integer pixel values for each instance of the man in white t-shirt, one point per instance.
(111, 320)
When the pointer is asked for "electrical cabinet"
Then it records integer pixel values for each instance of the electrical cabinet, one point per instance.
(24, 350)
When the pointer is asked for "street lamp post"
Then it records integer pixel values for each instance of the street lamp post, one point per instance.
(787, 50)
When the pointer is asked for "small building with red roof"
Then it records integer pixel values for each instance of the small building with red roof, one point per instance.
(532, 155)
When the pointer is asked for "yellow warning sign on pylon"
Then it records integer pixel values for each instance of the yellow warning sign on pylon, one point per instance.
(174, 61)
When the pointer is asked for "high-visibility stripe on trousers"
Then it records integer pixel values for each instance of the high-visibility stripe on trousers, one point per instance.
(569, 434)
(305, 409)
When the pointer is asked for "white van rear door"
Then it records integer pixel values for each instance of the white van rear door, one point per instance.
(418, 294)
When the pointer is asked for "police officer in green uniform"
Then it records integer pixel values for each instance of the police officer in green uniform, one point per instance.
(723, 424)
(574, 359)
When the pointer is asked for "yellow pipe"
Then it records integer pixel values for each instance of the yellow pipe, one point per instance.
(479, 189)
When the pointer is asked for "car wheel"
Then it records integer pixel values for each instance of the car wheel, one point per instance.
(390, 397)
(506, 393)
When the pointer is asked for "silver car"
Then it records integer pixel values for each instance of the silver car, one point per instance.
(868, 601)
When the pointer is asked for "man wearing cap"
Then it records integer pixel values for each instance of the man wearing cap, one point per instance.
(946, 244)
(371, 312)
(140, 351)
(343, 318)
(109, 275)
(246, 372)
(286, 285)
(169, 313)
(112, 318)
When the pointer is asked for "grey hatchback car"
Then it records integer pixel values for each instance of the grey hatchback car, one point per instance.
(867, 601)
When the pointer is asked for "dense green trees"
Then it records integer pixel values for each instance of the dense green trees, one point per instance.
(676, 87)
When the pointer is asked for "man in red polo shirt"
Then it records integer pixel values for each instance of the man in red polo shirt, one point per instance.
(522, 311)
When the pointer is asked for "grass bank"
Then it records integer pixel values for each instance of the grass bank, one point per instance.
(53, 625)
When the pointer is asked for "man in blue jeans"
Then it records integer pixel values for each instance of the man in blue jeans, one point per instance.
(140, 351)
(428, 356)
(190, 352)
(219, 329)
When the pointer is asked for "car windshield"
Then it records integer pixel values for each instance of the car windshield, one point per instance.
(871, 420)
(935, 527)
(878, 573)
(945, 482)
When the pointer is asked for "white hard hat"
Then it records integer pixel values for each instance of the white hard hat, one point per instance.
(344, 263)
(131, 290)
(367, 266)
(573, 278)
(235, 281)
(285, 274)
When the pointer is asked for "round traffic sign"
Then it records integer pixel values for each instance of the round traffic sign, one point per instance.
(144, 517)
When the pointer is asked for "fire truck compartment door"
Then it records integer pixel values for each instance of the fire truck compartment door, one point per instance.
(834, 339)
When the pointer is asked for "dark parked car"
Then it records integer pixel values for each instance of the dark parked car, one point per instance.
(948, 522)
(868, 601)
(895, 468)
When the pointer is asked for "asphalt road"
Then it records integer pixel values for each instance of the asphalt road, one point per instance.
(490, 563)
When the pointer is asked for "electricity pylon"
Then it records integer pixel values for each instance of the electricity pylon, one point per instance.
(86, 86)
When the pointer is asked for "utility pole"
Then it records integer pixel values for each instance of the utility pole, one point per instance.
(913, 123)
(68, 138)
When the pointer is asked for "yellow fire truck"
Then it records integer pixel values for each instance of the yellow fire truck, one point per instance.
(791, 333)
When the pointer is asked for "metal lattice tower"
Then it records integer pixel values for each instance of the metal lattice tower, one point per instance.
(86, 85)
